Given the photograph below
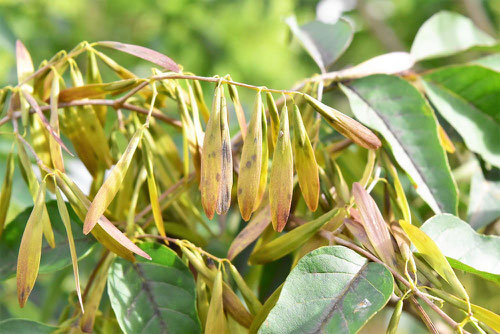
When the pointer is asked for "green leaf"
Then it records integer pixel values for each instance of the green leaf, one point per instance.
(446, 33)
(484, 202)
(156, 296)
(464, 248)
(325, 42)
(332, 289)
(53, 259)
(396, 110)
(9, 326)
(467, 96)
(491, 61)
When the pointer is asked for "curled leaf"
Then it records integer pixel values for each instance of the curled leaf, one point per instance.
(251, 162)
(281, 186)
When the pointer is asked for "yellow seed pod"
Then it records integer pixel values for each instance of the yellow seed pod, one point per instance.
(226, 182)
(281, 184)
(251, 162)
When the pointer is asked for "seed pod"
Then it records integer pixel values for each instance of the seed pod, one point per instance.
(240, 113)
(345, 125)
(252, 231)
(281, 186)
(29, 175)
(226, 182)
(305, 162)
(374, 225)
(55, 148)
(94, 77)
(216, 319)
(251, 300)
(28, 260)
(200, 99)
(290, 241)
(6, 191)
(195, 115)
(251, 162)
(121, 71)
(396, 315)
(400, 193)
(25, 66)
(63, 211)
(211, 158)
(202, 302)
(112, 184)
(153, 191)
(275, 118)
(264, 162)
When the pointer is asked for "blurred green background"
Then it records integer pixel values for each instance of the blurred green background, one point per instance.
(245, 38)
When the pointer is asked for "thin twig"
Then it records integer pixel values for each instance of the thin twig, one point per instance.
(436, 309)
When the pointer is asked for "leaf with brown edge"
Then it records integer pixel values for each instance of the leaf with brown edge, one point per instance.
(216, 319)
(32, 102)
(252, 230)
(112, 184)
(374, 224)
(344, 124)
(305, 162)
(211, 158)
(147, 54)
(30, 251)
(226, 181)
(96, 90)
(264, 162)
(63, 211)
(25, 66)
(275, 118)
(281, 183)
(55, 148)
(251, 162)
(105, 232)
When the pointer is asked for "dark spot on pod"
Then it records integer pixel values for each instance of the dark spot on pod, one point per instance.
(217, 177)
(225, 151)
(255, 140)
(248, 164)
(240, 191)
(254, 157)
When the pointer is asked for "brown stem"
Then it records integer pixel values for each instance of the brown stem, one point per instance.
(423, 315)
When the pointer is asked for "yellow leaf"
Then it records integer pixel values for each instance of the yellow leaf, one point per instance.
(112, 184)
(445, 140)
(281, 184)
(251, 162)
(226, 181)
(305, 162)
(432, 255)
(211, 158)
(28, 261)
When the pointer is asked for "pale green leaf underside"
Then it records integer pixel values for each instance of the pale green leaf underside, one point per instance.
(446, 33)
(395, 109)
(156, 296)
(465, 249)
(468, 97)
(332, 289)
(484, 200)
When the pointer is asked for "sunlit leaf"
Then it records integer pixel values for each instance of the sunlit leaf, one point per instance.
(379, 101)
(465, 249)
